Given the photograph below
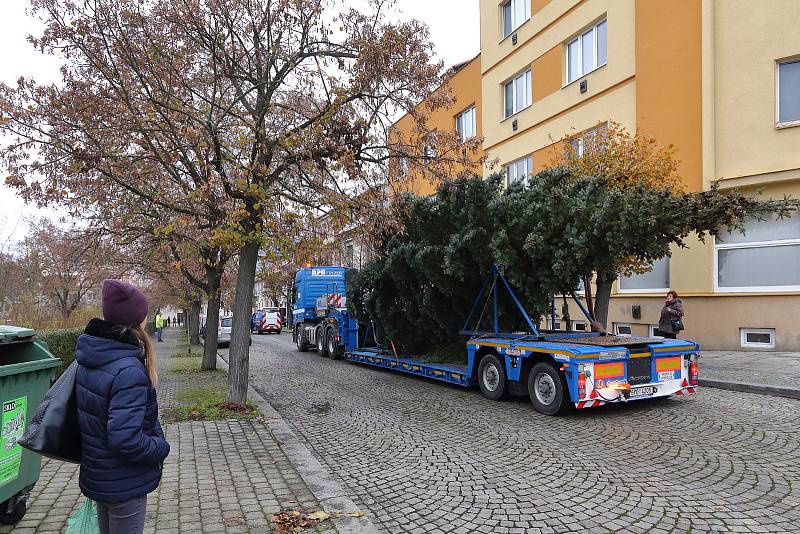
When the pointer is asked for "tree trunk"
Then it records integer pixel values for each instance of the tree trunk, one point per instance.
(239, 354)
(193, 322)
(603, 299)
(587, 292)
(212, 322)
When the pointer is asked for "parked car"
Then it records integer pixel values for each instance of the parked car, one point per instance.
(224, 330)
(271, 322)
(256, 320)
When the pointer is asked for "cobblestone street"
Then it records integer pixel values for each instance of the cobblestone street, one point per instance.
(425, 457)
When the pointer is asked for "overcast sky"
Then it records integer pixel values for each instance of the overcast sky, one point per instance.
(454, 26)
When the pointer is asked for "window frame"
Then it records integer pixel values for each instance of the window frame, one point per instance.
(527, 75)
(474, 114)
(515, 25)
(628, 325)
(585, 328)
(652, 329)
(592, 136)
(552, 326)
(778, 123)
(507, 166)
(755, 345)
(751, 244)
(579, 39)
(622, 290)
(428, 153)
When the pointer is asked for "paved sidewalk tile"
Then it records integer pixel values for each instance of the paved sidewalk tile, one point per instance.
(222, 476)
(771, 369)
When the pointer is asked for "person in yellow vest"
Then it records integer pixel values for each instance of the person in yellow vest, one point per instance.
(159, 326)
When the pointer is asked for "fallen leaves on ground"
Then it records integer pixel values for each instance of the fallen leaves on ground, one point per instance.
(296, 521)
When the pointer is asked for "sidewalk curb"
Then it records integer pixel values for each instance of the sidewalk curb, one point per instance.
(758, 389)
(325, 488)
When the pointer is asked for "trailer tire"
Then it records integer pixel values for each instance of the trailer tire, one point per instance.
(322, 349)
(333, 350)
(547, 389)
(15, 515)
(298, 338)
(492, 377)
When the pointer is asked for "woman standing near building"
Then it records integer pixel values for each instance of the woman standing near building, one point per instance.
(671, 321)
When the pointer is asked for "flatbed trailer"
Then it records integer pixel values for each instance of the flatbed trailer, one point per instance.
(593, 375)
(560, 369)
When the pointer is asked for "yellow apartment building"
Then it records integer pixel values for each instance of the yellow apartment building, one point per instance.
(464, 116)
(720, 80)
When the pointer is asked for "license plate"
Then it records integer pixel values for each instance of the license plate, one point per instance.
(643, 391)
(666, 375)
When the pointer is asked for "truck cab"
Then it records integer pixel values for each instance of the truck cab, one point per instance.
(319, 310)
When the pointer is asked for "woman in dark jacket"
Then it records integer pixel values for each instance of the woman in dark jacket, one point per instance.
(123, 444)
(672, 311)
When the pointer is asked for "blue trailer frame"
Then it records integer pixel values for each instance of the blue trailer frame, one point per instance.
(596, 369)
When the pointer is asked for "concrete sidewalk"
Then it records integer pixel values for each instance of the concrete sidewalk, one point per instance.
(221, 476)
(768, 373)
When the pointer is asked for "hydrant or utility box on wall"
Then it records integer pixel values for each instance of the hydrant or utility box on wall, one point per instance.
(26, 368)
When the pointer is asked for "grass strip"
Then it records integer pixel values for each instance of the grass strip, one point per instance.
(190, 366)
(208, 404)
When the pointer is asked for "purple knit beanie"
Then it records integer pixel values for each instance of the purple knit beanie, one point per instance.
(123, 303)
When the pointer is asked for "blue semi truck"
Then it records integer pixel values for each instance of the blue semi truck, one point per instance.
(559, 369)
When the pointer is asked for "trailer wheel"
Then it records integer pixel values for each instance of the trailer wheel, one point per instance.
(13, 516)
(492, 378)
(547, 389)
(298, 338)
(322, 349)
(333, 349)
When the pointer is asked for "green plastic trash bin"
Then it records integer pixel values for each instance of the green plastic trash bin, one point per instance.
(26, 368)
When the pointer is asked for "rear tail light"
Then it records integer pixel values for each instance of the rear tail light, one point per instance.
(581, 382)
(694, 373)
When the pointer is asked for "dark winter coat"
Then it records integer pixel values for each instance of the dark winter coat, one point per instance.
(670, 312)
(123, 444)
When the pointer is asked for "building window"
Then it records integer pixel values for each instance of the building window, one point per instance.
(428, 153)
(788, 89)
(514, 13)
(465, 124)
(579, 326)
(402, 167)
(657, 279)
(654, 331)
(765, 258)
(519, 170)
(587, 52)
(622, 329)
(588, 140)
(517, 93)
(758, 338)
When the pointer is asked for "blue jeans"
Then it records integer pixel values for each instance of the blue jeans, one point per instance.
(122, 517)
(158, 333)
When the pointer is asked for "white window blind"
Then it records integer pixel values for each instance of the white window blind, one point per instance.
(655, 280)
(765, 258)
